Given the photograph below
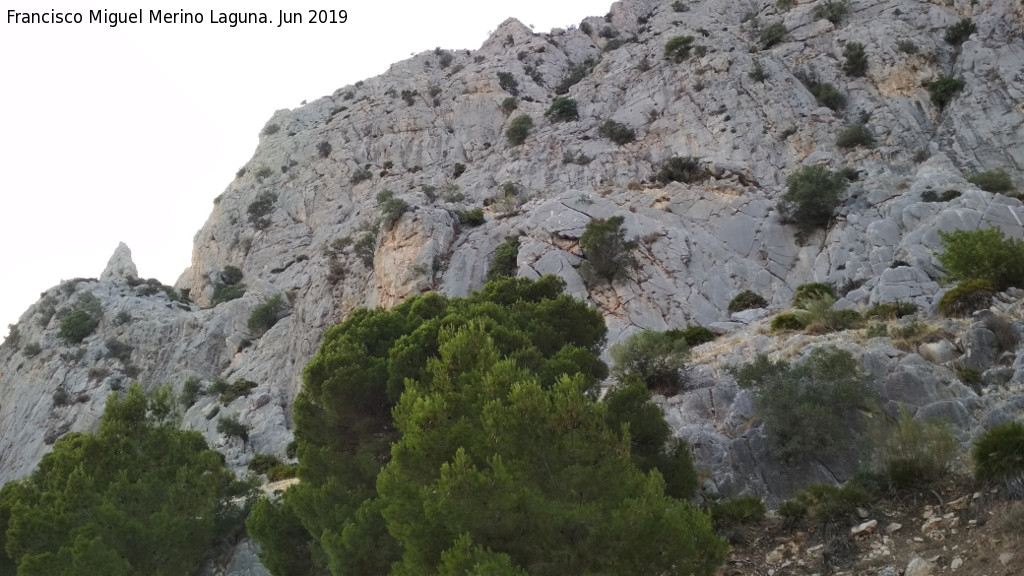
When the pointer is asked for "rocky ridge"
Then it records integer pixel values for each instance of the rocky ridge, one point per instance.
(431, 131)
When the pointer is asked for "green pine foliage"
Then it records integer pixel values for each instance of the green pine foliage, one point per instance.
(811, 409)
(943, 88)
(462, 436)
(983, 254)
(518, 129)
(856, 64)
(812, 195)
(609, 255)
(138, 497)
(504, 263)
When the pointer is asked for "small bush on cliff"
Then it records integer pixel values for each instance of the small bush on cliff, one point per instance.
(995, 181)
(967, 298)
(913, 453)
(998, 455)
(518, 129)
(82, 320)
(855, 135)
(832, 10)
(811, 197)
(681, 169)
(618, 133)
(563, 110)
(678, 48)
(773, 34)
(260, 209)
(655, 358)
(943, 89)
(856, 64)
(504, 263)
(746, 300)
(231, 427)
(983, 254)
(811, 409)
(608, 253)
(265, 315)
(958, 33)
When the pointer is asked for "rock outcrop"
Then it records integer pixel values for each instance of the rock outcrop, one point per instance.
(303, 219)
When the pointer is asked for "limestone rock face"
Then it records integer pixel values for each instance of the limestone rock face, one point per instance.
(306, 219)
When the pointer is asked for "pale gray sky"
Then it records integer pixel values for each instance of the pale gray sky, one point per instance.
(127, 133)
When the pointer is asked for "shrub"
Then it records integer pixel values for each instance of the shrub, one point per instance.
(856, 64)
(655, 358)
(508, 83)
(736, 512)
(282, 472)
(811, 197)
(958, 33)
(563, 110)
(811, 409)
(967, 297)
(265, 315)
(819, 316)
(61, 397)
(324, 149)
(855, 135)
(694, 335)
(681, 169)
(231, 275)
(458, 170)
(943, 89)
(786, 321)
(226, 293)
(190, 392)
(577, 73)
(261, 463)
(983, 254)
(474, 217)
(680, 6)
(773, 34)
(360, 176)
(785, 5)
(907, 47)
(998, 454)
(578, 158)
(757, 73)
(995, 181)
(825, 503)
(365, 248)
(504, 263)
(509, 104)
(806, 293)
(825, 93)
(80, 323)
(618, 133)
(391, 207)
(833, 10)
(260, 208)
(891, 310)
(237, 389)
(31, 350)
(913, 453)
(746, 300)
(606, 249)
(518, 129)
(678, 48)
(119, 350)
(231, 427)
(271, 129)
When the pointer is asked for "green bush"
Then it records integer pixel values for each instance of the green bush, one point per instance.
(681, 169)
(785, 5)
(825, 503)
(819, 316)
(282, 472)
(655, 358)
(458, 170)
(913, 453)
(618, 133)
(824, 92)
(746, 300)
(260, 208)
(226, 293)
(811, 196)
(261, 463)
(806, 293)
(983, 254)
(786, 321)
(563, 110)
(360, 175)
(508, 83)
(32, 349)
(271, 129)
(906, 46)
(958, 33)
(943, 89)
(218, 386)
(82, 320)
(577, 73)
(474, 217)
(678, 48)
(509, 104)
(832, 10)
(232, 428)
(231, 275)
(855, 135)
(365, 248)
(265, 315)
(608, 253)
(324, 149)
(504, 263)
(967, 298)
(757, 73)
(694, 335)
(518, 129)
(811, 409)
(890, 310)
(190, 392)
(736, 512)
(998, 455)
(773, 34)
(391, 208)
(237, 389)
(995, 181)
(119, 350)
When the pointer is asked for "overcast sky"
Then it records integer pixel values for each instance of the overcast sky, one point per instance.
(127, 133)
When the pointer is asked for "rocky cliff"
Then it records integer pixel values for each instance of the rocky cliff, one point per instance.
(302, 221)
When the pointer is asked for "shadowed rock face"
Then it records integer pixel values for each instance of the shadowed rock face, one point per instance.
(284, 221)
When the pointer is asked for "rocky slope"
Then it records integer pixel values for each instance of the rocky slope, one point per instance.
(431, 131)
